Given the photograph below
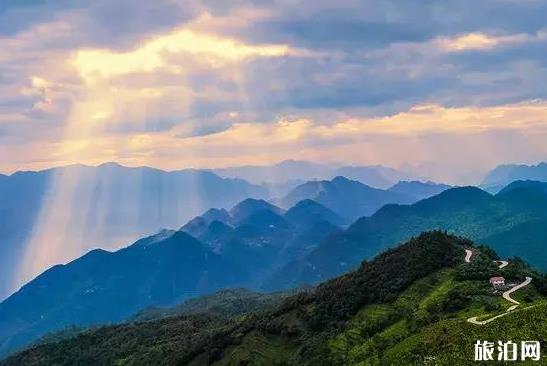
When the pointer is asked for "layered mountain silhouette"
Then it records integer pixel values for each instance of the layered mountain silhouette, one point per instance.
(218, 249)
(243, 210)
(105, 205)
(103, 287)
(292, 170)
(502, 175)
(348, 198)
(494, 220)
(308, 212)
(260, 246)
(418, 190)
(407, 306)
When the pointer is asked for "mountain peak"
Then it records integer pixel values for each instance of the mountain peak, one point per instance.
(308, 212)
(417, 189)
(247, 207)
(340, 180)
(110, 164)
(504, 174)
(454, 198)
(532, 184)
(349, 199)
(215, 214)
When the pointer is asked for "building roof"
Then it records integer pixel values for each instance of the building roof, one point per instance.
(497, 279)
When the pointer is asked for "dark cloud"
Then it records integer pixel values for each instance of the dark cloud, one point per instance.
(364, 54)
(363, 24)
(98, 23)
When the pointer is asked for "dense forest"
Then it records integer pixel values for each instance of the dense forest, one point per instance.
(407, 305)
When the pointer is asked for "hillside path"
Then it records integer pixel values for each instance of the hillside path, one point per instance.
(468, 254)
(502, 264)
(506, 295)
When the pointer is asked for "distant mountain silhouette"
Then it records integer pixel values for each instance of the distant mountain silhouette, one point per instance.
(215, 214)
(308, 212)
(261, 224)
(211, 227)
(502, 175)
(246, 208)
(163, 269)
(349, 199)
(277, 173)
(418, 190)
(493, 220)
(107, 205)
(280, 174)
(377, 176)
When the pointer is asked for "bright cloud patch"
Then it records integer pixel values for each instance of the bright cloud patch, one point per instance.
(429, 132)
(151, 56)
(478, 41)
(196, 83)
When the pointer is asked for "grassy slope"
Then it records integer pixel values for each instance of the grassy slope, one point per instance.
(408, 306)
(409, 331)
(412, 331)
(450, 342)
(424, 325)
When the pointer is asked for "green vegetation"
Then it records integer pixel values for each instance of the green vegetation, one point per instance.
(512, 222)
(224, 303)
(406, 307)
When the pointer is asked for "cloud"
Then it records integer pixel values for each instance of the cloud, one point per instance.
(151, 56)
(171, 72)
(471, 138)
(478, 41)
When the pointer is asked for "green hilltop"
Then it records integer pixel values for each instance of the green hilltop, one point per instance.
(408, 306)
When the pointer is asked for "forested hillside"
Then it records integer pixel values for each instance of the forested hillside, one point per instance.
(408, 305)
(511, 222)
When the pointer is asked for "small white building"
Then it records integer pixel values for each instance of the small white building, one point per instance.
(497, 281)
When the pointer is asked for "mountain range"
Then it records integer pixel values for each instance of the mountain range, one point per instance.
(104, 206)
(377, 176)
(220, 249)
(260, 246)
(319, 230)
(407, 306)
(504, 174)
(351, 199)
(495, 220)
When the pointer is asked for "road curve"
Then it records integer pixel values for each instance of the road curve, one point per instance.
(468, 254)
(502, 264)
(507, 294)
(474, 320)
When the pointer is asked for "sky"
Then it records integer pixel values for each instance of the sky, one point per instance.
(444, 88)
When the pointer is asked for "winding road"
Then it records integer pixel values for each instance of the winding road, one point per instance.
(468, 254)
(502, 264)
(506, 295)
